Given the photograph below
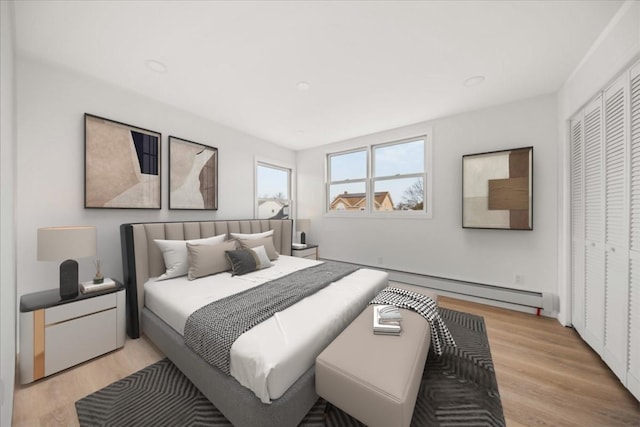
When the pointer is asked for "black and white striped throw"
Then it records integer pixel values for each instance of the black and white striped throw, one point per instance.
(211, 330)
(423, 305)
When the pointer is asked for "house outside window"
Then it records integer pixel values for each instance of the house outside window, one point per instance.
(391, 178)
(273, 190)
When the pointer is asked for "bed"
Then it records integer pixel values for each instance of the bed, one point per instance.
(293, 392)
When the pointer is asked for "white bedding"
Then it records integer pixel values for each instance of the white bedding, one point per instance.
(270, 357)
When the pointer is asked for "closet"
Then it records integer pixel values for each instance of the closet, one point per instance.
(605, 225)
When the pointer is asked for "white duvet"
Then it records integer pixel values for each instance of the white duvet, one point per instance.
(270, 357)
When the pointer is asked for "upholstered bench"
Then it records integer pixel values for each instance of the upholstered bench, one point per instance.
(375, 378)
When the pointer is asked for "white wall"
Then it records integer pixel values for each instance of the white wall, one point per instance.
(50, 164)
(615, 49)
(7, 217)
(440, 246)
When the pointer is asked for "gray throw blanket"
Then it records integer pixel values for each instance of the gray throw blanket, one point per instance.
(424, 306)
(211, 330)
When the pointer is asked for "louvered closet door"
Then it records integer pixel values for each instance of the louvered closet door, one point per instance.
(616, 228)
(577, 224)
(633, 362)
(594, 226)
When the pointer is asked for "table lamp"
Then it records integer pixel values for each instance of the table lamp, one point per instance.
(63, 244)
(304, 226)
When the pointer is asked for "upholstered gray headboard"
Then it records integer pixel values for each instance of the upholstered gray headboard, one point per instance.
(142, 259)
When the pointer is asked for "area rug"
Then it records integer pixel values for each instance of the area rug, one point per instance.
(457, 389)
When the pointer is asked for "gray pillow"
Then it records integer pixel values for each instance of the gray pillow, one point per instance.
(267, 242)
(205, 260)
(246, 260)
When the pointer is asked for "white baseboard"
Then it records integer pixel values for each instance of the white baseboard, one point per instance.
(513, 299)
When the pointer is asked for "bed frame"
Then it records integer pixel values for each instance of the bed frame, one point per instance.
(142, 259)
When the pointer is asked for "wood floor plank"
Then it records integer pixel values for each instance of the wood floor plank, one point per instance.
(547, 376)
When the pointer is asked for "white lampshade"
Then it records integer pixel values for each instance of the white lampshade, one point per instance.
(303, 225)
(62, 243)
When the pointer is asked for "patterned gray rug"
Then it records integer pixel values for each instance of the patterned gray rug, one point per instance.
(457, 389)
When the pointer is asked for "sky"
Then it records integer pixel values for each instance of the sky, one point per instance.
(272, 181)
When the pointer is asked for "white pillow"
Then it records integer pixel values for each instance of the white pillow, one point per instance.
(263, 258)
(176, 257)
(252, 236)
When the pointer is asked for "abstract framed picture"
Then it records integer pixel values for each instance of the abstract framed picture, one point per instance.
(193, 175)
(122, 165)
(497, 189)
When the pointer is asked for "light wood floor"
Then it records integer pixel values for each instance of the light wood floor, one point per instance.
(547, 376)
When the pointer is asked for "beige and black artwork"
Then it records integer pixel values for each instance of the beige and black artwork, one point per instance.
(122, 165)
(497, 189)
(193, 175)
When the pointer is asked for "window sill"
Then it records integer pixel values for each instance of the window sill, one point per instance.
(380, 215)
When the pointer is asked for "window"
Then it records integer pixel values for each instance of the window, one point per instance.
(398, 176)
(348, 181)
(390, 178)
(273, 189)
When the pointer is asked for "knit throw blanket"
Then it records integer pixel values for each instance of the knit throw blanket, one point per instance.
(211, 330)
(423, 305)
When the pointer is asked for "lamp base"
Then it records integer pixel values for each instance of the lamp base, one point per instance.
(69, 279)
(303, 238)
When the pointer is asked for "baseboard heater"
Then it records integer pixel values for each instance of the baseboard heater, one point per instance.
(515, 299)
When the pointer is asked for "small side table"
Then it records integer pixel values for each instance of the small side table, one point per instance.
(56, 333)
(310, 252)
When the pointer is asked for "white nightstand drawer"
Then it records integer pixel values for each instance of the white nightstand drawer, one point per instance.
(304, 253)
(91, 336)
(309, 253)
(64, 312)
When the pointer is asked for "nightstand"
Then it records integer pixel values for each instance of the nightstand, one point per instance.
(309, 252)
(56, 333)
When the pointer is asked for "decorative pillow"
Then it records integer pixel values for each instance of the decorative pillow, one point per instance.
(246, 260)
(252, 236)
(267, 242)
(174, 252)
(263, 258)
(205, 260)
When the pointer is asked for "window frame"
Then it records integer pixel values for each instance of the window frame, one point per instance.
(371, 179)
(278, 166)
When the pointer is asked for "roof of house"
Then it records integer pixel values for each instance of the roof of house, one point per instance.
(359, 199)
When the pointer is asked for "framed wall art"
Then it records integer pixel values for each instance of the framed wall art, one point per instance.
(122, 165)
(193, 175)
(497, 189)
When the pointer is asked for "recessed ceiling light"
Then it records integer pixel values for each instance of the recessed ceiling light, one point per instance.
(474, 81)
(156, 66)
(303, 86)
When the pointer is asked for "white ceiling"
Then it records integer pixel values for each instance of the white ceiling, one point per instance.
(371, 66)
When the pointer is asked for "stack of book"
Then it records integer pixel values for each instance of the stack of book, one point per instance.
(386, 320)
(89, 287)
